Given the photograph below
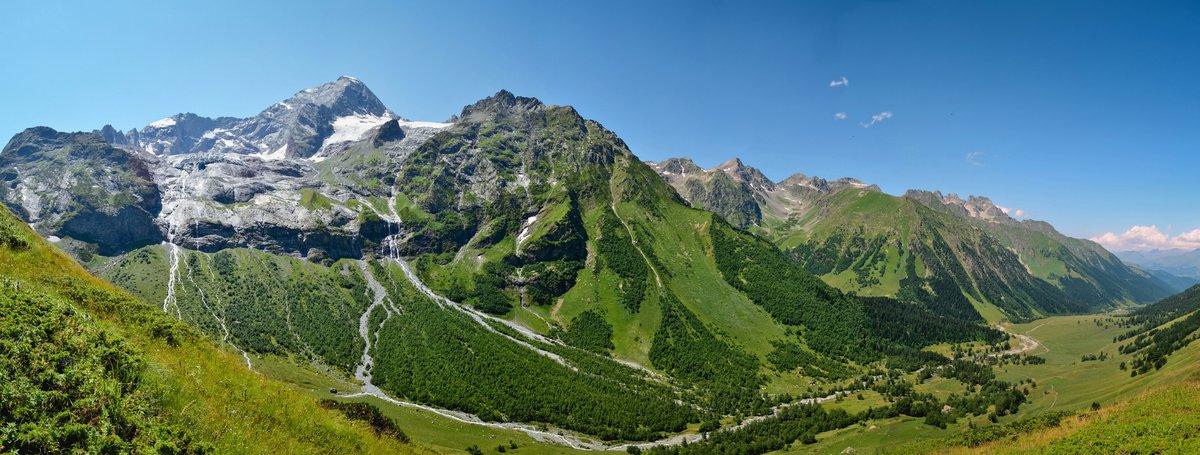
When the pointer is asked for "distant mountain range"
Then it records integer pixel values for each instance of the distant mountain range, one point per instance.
(962, 256)
(1182, 267)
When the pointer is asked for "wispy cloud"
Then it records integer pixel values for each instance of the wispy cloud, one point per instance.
(840, 116)
(1140, 238)
(836, 83)
(875, 119)
(975, 158)
(1015, 213)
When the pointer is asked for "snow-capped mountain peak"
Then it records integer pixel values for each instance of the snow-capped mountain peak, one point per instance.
(299, 127)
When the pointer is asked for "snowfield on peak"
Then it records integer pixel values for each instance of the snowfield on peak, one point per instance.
(353, 127)
(437, 125)
(164, 123)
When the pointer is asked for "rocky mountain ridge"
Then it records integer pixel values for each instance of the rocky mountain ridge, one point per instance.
(298, 127)
(743, 194)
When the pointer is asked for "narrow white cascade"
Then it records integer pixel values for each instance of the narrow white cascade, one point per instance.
(380, 298)
(174, 260)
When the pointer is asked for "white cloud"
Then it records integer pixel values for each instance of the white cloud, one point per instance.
(975, 158)
(1015, 213)
(877, 118)
(840, 116)
(1191, 238)
(836, 83)
(1148, 238)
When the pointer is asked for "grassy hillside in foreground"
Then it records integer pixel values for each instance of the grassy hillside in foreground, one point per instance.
(1163, 420)
(106, 371)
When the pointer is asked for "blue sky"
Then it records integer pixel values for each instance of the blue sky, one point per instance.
(1083, 114)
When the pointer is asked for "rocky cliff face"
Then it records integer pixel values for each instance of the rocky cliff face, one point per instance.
(318, 176)
(77, 185)
(977, 207)
(743, 194)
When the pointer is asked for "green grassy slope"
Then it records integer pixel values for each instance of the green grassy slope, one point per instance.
(1156, 352)
(1165, 420)
(105, 370)
(640, 246)
(663, 252)
(1081, 268)
(880, 244)
(920, 247)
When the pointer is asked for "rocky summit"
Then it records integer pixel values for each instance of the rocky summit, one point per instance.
(298, 127)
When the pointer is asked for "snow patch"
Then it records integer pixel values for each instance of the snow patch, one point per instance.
(279, 154)
(213, 134)
(437, 125)
(163, 123)
(526, 231)
(353, 127)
